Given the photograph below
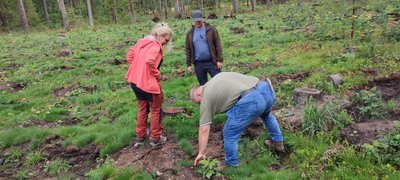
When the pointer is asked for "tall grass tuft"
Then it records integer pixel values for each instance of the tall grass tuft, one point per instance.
(329, 116)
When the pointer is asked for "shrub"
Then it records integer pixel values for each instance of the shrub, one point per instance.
(208, 167)
(371, 104)
(385, 150)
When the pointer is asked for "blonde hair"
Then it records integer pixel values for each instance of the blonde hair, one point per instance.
(161, 29)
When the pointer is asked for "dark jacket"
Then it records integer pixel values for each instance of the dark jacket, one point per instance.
(214, 43)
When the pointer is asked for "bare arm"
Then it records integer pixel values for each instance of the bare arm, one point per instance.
(204, 132)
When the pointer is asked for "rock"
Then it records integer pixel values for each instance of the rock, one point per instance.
(302, 94)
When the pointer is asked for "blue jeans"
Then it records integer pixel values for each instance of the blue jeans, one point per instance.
(202, 68)
(257, 103)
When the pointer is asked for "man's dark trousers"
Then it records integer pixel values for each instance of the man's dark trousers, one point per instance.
(204, 67)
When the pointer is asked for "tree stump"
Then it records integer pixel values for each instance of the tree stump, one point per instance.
(302, 94)
(336, 80)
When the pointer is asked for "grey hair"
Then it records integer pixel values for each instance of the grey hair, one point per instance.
(193, 93)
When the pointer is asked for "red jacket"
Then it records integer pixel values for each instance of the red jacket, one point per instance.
(143, 59)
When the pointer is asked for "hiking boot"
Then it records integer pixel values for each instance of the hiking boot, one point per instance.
(275, 145)
(139, 142)
(223, 165)
(155, 143)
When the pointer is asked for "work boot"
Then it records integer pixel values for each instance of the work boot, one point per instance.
(275, 145)
(155, 143)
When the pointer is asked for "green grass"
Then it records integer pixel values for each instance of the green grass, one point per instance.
(283, 46)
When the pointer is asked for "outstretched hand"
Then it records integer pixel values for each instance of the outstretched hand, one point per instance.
(199, 158)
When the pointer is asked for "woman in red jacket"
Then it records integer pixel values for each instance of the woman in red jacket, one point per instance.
(144, 60)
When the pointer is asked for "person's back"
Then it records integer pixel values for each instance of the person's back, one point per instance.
(222, 92)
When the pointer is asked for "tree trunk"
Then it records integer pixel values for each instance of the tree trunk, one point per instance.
(352, 21)
(253, 5)
(46, 14)
(22, 14)
(166, 9)
(281, 1)
(114, 12)
(216, 4)
(142, 6)
(69, 3)
(159, 8)
(269, 3)
(201, 4)
(90, 14)
(247, 3)
(235, 6)
(63, 14)
(177, 9)
(132, 11)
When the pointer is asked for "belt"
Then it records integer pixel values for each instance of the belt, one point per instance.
(244, 93)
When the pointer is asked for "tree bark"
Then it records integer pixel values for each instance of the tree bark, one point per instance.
(90, 14)
(114, 12)
(46, 14)
(269, 3)
(22, 14)
(166, 9)
(235, 6)
(70, 5)
(253, 5)
(177, 9)
(132, 11)
(159, 8)
(63, 14)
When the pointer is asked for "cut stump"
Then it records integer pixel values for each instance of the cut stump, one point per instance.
(302, 94)
(336, 80)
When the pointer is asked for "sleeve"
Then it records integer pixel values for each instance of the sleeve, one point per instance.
(151, 58)
(131, 54)
(207, 109)
(187, 49)
(218, 46)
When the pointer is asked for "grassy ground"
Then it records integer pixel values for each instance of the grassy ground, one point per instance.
(89, 84)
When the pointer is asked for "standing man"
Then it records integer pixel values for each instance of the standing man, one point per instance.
(203, 49)
(243, 98)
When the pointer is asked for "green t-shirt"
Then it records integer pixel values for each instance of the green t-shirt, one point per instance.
(222, 92)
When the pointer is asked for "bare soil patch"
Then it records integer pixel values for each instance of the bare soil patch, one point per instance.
(163, 160)
(366, 132)
(299, 76)
(236, 30)
(45, 124)
(12, 87)
(64, 91)
(116, 62)
(82, 159)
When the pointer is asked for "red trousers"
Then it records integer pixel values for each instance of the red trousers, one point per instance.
(155, 108)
